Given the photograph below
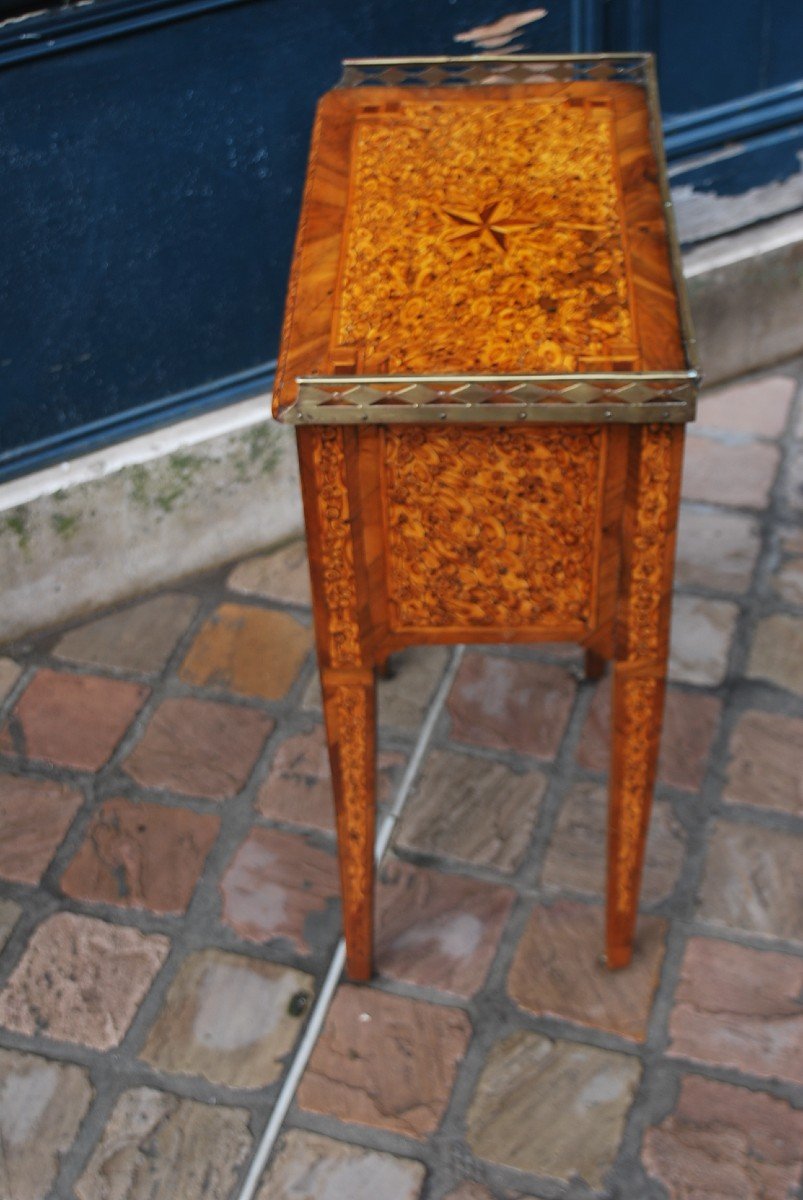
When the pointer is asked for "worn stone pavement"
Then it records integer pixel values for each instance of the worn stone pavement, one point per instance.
(168, 893)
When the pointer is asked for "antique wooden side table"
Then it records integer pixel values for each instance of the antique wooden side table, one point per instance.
(488, 359)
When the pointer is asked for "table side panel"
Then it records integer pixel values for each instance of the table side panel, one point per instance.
(493, 529)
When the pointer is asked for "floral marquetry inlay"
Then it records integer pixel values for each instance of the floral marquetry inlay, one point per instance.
(486, 238)
(491, 526)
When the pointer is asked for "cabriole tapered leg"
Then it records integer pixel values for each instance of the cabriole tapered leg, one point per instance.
(642, 642)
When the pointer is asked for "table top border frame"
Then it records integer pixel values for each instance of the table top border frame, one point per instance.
(675, 398)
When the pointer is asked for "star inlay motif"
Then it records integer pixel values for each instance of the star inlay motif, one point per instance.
(487, 225)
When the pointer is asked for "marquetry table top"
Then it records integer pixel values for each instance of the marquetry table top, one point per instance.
(469, 247)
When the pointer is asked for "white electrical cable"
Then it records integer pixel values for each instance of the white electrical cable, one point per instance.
(335, 968)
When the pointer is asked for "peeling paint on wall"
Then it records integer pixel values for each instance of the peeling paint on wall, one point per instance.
(500, 34)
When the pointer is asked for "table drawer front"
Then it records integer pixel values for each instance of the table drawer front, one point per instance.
(492, 527)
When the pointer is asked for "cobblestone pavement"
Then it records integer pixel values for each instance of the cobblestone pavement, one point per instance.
(168, 896)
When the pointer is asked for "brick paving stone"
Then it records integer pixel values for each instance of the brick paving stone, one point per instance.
(160, 1147)
(226, 1018)
(385, 1061)
(81, 980)
(788, 581)
(280, 885)
(793, 483)
(310, 1167)
(71, 720)
(141, 855)
(777, 652)
(576, 856)
(753, 880)
(557, 970)
(282, 575)
(509, 704)
(42, 1105)
(723, 1142)
(788, 578)
(758, 406)
(472, 810)
(140, 638)
(247, 650)
(298, 788)
(716, 472)
(404, 697)
(716, 549)
(35, 814)
(554, 1108)
(690, 722)
(9, 674)
(766, 762)
(702, 632)
(438, 930)
(199, 747)
(740, 1008)
(9, 912)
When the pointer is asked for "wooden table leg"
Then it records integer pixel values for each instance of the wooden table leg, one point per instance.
(350, 713)
(340, 600)
(642, 641)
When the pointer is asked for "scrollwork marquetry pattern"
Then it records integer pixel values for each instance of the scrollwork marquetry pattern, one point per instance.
(646, 601)
(339, 583)
(469, 259)
(638, 701)
(356, 801)
(491, 527)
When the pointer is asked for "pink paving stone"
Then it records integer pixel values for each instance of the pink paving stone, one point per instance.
(282, 575)
(776, 655)
(702, 632)
(42, 1105)
(740, 1008)
(71, 720)
(298, 788)
(575, 860)
(716, 548)
(436, 929)
(719, 473)
(690, 722)
(9, 674)
(310, 1167)
(753, 880)
(723, 1143)
(248, 650)
(385, 1061)
(557, 970)
(35, 814)
(509, 704)
(760, 407)
(278, 885)
(141, 855)
(473, 810)
(765, 768)
(81, 980)
(140, 638)
(199, 747)
(157, 1146)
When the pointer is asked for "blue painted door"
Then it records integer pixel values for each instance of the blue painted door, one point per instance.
(152, 155)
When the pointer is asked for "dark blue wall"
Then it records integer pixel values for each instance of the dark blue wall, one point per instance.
(152, 156)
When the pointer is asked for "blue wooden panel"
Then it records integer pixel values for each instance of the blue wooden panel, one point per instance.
(151, 186)
(152, 153)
